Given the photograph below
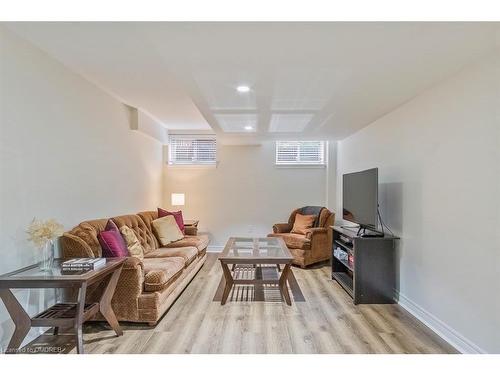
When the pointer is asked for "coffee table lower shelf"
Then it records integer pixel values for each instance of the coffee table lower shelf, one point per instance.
(254, 274)
(63, 315)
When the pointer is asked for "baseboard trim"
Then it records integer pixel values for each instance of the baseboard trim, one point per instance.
(214, 248)
(455, 339)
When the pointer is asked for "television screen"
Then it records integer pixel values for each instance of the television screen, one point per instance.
(360, 198)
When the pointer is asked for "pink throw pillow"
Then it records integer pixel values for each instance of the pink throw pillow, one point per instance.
(177, 216)
(112, 243)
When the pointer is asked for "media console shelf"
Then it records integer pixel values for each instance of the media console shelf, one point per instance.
(371, 276)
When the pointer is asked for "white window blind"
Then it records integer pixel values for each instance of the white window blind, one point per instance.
(192, 150)
(300, 152)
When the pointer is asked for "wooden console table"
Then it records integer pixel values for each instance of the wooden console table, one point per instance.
(61, 314)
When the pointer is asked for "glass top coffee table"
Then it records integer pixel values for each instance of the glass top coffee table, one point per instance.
(242, 252)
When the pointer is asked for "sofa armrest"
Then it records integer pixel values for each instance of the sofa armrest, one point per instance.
(321, 243)
(282, 228)
(191, 231)
(74, 247)
(130, 284)
(132, 263)
(316, 231)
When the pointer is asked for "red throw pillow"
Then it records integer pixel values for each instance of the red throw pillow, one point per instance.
(112, 243)
(177, 216)
(110, 225)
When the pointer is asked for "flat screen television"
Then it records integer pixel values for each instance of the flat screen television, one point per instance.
(360, 198)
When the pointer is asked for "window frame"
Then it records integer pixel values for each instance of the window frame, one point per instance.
(301, 163)
(195, 162)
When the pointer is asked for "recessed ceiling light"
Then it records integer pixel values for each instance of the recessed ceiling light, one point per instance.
(248, 127)
(243, 88)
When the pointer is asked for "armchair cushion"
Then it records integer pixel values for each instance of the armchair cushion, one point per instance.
(293, 240)
(303, 223)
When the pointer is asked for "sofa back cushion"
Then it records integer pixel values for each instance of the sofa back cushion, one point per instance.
(148, 217)
(141, 230)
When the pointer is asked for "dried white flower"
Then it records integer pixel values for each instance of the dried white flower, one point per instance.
(40, 232)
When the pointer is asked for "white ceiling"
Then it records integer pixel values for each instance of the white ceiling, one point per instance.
(307, 80)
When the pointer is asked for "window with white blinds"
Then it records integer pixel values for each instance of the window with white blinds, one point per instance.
(300, 153)
(192, 150)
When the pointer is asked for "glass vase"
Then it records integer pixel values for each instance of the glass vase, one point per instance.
(47, 256)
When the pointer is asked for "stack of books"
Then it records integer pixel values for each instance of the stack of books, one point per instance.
(83, 264)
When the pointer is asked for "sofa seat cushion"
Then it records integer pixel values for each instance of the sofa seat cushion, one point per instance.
(294, 241)
(187, 253)
(159, 273)
(200, 242)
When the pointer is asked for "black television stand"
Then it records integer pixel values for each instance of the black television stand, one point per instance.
(368, 274)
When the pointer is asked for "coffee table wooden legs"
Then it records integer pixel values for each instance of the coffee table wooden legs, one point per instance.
(21, 320)
(229, 282)
(79, 317)
(105, 302)
(284, 285)
(282, 282)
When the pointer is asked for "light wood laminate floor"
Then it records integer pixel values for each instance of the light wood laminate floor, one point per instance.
(325, 321)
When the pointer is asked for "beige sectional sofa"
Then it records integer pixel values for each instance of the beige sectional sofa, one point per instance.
(148, 287)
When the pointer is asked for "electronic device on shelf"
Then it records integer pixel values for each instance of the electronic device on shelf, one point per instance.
(363, 257)
(360, 199)
(346, 240)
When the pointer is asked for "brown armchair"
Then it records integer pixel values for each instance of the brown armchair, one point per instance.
(313, 247)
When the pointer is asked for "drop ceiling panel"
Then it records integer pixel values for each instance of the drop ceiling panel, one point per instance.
(236, 123)
(289, 123)
(303, 89)
(219, 90)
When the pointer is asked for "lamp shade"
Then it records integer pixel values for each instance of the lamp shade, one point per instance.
(177, 199)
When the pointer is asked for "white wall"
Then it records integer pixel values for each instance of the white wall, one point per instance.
(66, 152)
(439, 174)
(246, 194)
